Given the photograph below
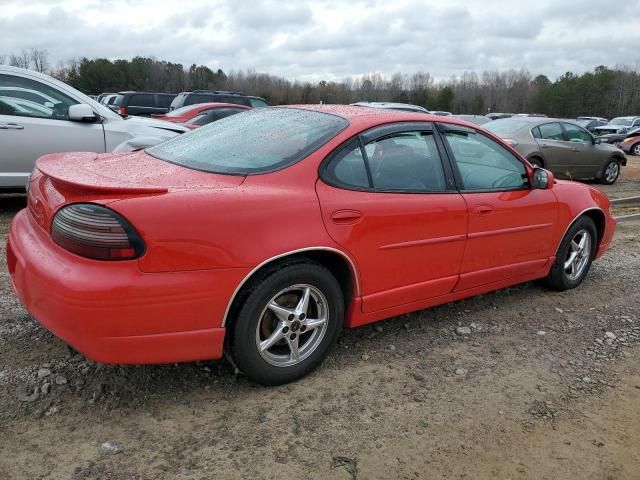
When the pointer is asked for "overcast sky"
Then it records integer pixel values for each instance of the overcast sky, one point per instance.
(320, 39)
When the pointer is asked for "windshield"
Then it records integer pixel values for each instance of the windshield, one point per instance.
(621, 121)
(507, 125)
(255, 141)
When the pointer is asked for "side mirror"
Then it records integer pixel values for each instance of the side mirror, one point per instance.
(82, 112)
(541, 179)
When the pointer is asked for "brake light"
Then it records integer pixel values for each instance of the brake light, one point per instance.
(122, 110)
(96, 232)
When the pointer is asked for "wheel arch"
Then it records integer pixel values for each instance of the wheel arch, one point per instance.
(540, 158)
(621, 158)
(336, 261)
(598, 217)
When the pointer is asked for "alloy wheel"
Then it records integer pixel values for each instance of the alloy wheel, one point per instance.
(612, 171)
(292, 325)
(578, 255)
(636, 149)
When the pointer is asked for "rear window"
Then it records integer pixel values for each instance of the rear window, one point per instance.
(256, 141)
(506, 125)
(165, 100)
(117, 100)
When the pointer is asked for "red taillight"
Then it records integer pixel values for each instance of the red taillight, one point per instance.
(122, 110)
(93, 231)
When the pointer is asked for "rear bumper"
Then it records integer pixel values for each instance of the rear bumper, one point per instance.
(112, 312)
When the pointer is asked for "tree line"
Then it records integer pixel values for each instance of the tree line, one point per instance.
(605, 91)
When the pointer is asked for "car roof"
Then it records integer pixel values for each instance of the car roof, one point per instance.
(355, 113)
(389, 105)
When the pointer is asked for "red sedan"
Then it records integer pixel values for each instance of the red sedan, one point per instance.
(194, 116)
(264, 234)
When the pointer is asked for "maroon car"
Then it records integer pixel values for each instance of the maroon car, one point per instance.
(194, 116)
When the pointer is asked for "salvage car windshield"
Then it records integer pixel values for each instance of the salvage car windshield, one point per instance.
(256, 141)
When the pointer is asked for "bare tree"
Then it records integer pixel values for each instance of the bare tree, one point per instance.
(39, 59)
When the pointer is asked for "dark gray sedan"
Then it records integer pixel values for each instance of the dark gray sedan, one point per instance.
(563, 147)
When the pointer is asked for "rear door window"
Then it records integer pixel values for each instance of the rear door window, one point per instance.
(142, 100)
(164, 101)
(195, 98)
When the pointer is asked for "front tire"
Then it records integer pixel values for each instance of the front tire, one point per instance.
(575, 255)
(611, 172)
(635, 149)
(536, 162)
(287, 324)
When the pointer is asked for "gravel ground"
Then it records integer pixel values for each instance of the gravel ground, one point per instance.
(524, 383)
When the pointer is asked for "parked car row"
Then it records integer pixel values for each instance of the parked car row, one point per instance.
(147, 104)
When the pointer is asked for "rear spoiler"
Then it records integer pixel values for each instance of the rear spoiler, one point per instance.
(70, 171)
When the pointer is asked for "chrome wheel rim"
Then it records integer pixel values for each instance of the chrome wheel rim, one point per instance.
(636, 150)
(292, 325)
(612, 171)
(578, 255)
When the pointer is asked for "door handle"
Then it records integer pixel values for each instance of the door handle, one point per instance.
(575, 150)
(544, 145)
(483, 209)
(346, 217)
(11, 126)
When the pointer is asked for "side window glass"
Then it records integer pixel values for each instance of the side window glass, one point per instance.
(347, 168)
(28, 98)
(406, 161)
(142, 100)
(536, 133)
(484, 164)
(551, 131)
(576, 134)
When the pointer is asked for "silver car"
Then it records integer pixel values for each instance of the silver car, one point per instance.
(563, 147)
(40, 115)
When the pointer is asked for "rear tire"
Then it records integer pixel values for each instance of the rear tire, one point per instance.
(575, 255)
(277, 337)
(635, 149)
(611, 172)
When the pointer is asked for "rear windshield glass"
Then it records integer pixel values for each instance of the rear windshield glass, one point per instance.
(506, 125)
(255, 141)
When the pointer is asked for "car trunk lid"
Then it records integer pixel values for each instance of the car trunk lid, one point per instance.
(64, 178)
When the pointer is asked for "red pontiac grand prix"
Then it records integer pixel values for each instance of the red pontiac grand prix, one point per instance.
(266, 232)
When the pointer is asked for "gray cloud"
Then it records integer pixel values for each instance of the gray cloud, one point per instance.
(333, 39)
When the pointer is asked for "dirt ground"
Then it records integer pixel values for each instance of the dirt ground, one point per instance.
(545, 386)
